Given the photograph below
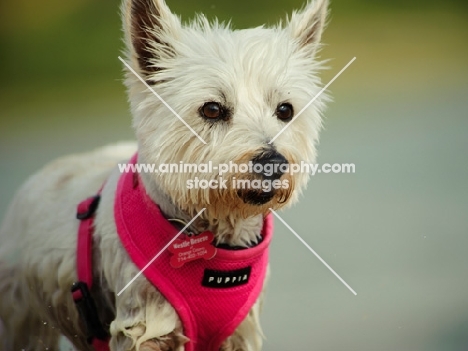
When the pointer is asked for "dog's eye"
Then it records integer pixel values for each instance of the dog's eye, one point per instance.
(211, 110)
(284, 112)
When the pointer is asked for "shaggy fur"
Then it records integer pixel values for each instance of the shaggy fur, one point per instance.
(250, 72)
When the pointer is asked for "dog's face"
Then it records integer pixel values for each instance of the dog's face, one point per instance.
(235, 89)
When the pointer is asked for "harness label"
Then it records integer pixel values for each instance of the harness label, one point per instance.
(226, 279)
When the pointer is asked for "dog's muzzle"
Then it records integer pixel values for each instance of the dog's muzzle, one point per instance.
(270, 166)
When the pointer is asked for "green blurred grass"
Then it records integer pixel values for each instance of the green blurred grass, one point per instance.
(78, 42)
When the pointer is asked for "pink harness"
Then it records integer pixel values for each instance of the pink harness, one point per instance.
(211, 297)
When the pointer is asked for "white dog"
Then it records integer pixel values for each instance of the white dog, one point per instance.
(236, 90)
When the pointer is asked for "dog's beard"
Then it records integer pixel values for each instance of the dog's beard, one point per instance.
(249, 201)
(243, 203)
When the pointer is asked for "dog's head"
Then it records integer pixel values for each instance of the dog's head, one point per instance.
(235, 90)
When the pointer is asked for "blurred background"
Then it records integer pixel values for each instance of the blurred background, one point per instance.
(396, 231)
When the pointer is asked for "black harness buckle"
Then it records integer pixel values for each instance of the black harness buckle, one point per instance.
(92, 207)
(88, 312)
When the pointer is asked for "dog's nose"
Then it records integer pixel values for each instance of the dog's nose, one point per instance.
(270, 165)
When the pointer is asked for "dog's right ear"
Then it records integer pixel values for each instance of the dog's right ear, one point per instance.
(306, 26)
(149, 27)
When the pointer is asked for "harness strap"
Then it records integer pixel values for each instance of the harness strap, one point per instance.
(96, 333)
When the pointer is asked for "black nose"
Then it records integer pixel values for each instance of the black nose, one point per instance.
(270, 165)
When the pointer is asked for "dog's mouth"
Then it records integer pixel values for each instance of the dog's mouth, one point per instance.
(256, 197)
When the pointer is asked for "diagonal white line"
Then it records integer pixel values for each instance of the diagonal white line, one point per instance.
(312, 250)
(160, 252)
(161, 99)
(313, 99)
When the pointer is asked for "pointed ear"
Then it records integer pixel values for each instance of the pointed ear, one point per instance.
(149, 28)
(306, 26)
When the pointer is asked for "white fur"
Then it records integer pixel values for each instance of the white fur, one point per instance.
(250, 71)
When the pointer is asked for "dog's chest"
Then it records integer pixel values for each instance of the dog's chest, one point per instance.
(211, 289)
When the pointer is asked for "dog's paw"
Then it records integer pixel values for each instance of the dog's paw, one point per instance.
(150, 346)
(229, 346)
(171, 342)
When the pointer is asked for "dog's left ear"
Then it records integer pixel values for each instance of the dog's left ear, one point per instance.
(307, 25)
(149, 28)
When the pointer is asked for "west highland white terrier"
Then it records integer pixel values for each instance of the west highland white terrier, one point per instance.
(102, 252)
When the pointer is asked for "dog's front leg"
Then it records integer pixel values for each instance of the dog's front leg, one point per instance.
(145, 321)
(248, 336)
